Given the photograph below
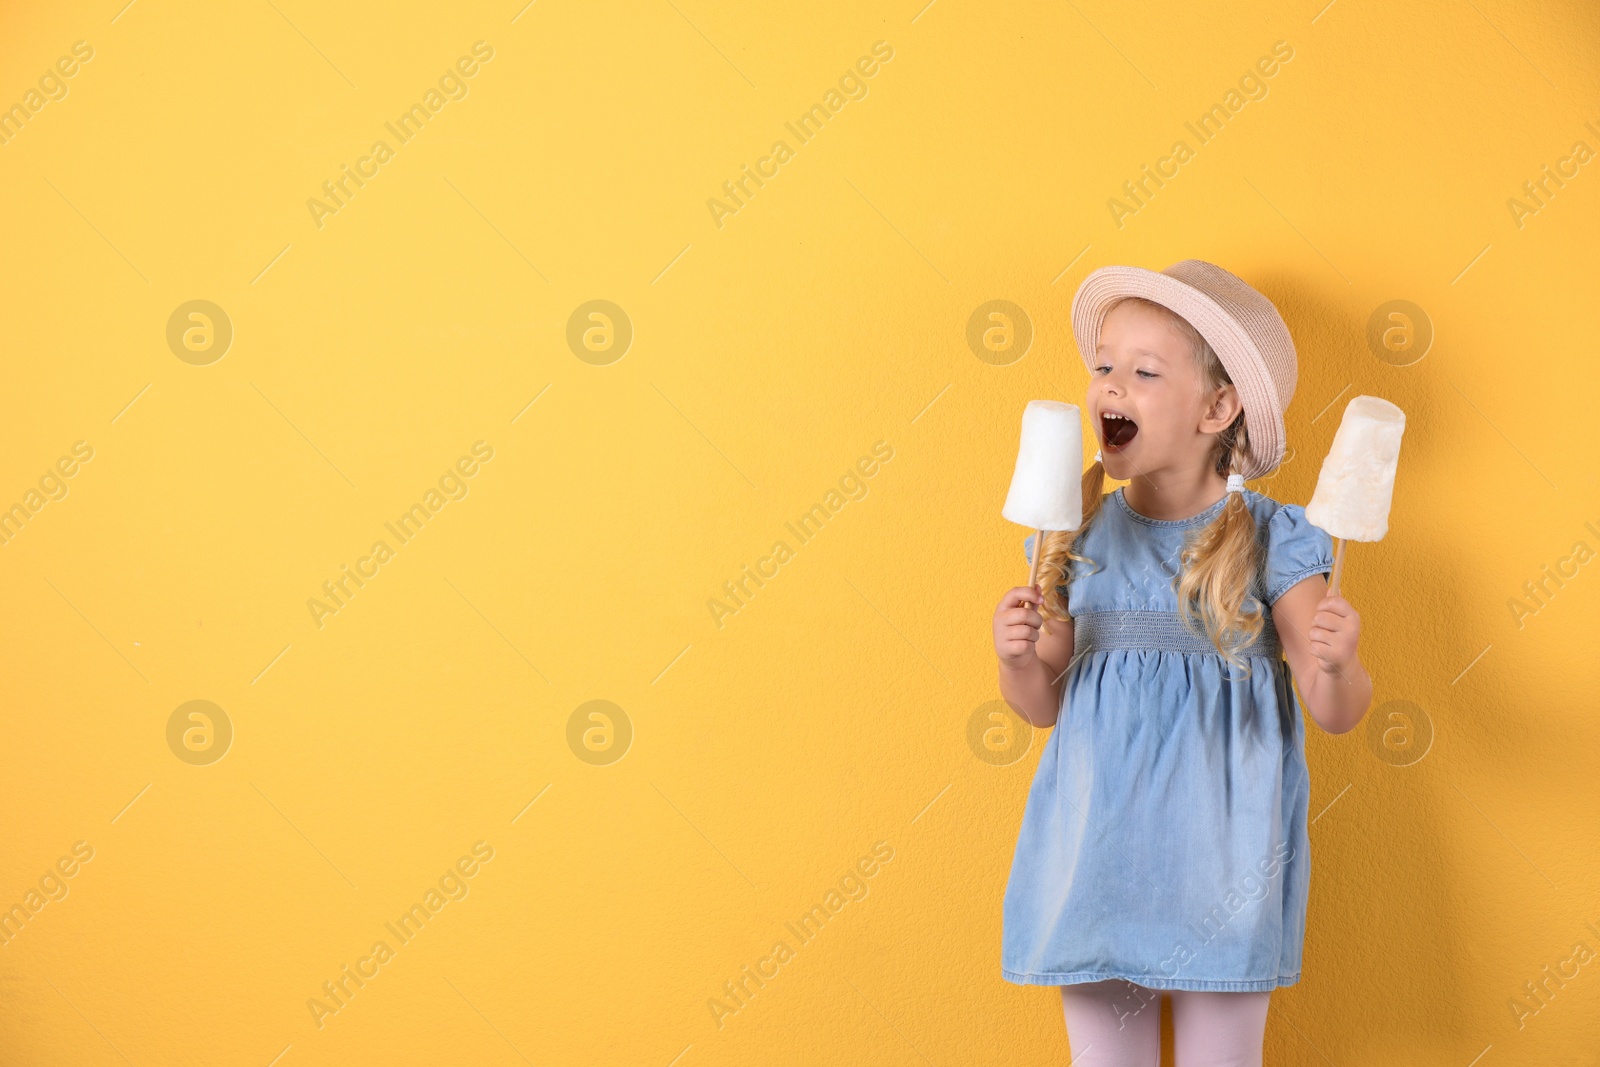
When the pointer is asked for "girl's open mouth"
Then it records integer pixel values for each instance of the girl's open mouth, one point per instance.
(1117, 430)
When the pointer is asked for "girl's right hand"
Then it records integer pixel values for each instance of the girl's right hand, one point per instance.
(1016, 626)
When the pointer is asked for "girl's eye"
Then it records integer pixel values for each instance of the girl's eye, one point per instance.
(1147, 374)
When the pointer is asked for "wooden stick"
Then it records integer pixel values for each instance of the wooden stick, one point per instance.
(1038, 547)
(1338, 562)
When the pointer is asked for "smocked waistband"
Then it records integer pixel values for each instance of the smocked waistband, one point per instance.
(1157, 630)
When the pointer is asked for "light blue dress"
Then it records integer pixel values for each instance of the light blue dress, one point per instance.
(1165, 835)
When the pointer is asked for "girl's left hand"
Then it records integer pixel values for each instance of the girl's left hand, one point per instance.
(1334, 630)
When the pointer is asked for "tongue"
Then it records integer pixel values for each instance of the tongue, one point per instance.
(1119, 432)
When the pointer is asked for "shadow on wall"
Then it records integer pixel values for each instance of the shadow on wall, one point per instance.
(1394, 857)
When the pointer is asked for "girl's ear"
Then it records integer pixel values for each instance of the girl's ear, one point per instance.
(1223, 409)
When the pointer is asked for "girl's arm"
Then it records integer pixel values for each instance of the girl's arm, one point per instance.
(1318, 633)
(1031, 663)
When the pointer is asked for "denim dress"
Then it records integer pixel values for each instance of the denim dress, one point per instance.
(1165, 839)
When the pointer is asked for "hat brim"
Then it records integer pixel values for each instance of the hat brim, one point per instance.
(1234, 347)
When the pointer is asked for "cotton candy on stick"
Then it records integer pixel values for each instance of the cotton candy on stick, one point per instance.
(1047, 485)
(1356, 485)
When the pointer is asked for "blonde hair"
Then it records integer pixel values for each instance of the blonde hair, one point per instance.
(1218, 564)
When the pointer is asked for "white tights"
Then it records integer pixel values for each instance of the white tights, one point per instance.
(1116, 1023)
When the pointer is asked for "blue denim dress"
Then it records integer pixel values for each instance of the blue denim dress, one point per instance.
(1165, 835)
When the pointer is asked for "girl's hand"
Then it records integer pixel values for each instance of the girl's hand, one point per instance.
(1334, 630)
(1016, 626)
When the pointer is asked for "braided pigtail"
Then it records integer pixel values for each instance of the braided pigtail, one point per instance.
(1060, 547)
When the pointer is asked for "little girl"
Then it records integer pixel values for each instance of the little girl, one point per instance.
(1164, 845)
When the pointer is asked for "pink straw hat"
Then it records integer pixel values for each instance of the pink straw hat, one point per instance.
(1241, 325)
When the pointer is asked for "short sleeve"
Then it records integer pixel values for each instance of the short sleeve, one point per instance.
(1295, 551)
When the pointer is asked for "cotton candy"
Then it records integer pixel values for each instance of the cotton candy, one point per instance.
(1356, 485)
(1047, 485)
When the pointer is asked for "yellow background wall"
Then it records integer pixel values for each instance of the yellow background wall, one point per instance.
(766, 752)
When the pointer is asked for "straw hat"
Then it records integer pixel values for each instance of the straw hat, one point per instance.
(1241, 325)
